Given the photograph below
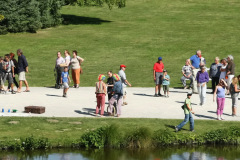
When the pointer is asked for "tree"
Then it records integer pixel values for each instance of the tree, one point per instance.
(110, 3)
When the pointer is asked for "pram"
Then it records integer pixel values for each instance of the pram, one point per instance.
(57, 74)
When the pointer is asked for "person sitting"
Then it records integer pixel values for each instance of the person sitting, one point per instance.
(187, 74)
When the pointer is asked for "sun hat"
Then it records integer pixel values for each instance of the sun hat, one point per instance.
(101, 77)
(116, 77)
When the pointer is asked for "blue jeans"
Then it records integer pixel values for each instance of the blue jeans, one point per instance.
(188, 117)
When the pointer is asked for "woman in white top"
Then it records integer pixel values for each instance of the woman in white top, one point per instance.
(75, 64)
(67, 58)
(223, 70)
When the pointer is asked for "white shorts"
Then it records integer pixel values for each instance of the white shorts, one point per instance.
(65, 85)
(21, 76)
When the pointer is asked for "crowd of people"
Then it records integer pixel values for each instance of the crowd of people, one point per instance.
(221, 73)
(10, 68)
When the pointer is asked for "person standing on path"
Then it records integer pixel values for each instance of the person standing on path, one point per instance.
(60, 63)
(22, 69)
(187, 74)
(202, 79)
(101, 91)
(214, 73)
(15, 68)
(220, 92)
(110, 84)
(124, 81)
(166, 83)
(234, 90)
(230, 70)
(117, 95)
(223, 69)
(75, 63)
(188, 114)
(157, 76)
(65, 80)
(195, 59)
(9, 66)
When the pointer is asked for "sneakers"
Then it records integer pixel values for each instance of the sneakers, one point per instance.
(13, 92)
(125, 103)
(176, 129)
(159, 94)
(156, 95)
(192, 130)
(65, 95)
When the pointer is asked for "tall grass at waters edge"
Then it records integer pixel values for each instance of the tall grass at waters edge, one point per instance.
(33, 133)
(135, 36)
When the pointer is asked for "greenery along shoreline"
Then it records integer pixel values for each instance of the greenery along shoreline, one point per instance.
(46, 133)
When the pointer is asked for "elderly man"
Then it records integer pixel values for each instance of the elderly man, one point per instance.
(187, 74)
(195, 59)
(125, 82)
(22, 68)
(214, 73)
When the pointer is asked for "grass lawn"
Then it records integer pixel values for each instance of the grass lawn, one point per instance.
(135, 36)
(65, 130)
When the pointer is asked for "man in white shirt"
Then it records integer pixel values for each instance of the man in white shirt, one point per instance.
(125, 82)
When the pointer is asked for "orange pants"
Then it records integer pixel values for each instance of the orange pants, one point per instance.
(76, 75)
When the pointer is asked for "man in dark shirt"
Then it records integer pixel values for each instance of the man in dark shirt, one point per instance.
(22, 68)
(110, 83)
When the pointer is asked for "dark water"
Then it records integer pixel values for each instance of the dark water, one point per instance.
(167, 153)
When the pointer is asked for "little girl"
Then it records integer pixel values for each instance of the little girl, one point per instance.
(220, 91)
(101, 91)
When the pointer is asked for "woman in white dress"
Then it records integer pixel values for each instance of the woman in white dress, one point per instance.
(223, 69)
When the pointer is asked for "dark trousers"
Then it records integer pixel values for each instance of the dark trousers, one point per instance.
(215, 81)
(14, 81)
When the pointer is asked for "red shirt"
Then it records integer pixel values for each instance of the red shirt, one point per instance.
(158, 67)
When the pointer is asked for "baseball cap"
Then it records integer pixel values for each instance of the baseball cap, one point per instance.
(164, 70)
(159, 58)
(122, 65)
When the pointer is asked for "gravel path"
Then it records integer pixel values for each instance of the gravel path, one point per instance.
(82, 103)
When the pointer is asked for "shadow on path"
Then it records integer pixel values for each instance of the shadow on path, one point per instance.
(142, 94)
(53, 95)
(223, 113)
(183, 102)
(204, 116)
(73, 19)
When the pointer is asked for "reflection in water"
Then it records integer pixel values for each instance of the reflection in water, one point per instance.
(167, 153)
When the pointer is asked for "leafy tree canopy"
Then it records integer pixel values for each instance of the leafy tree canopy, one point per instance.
(110, 3)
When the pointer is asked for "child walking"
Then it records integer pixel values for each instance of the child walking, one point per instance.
(220, 91)
(188, 114)
(101, 91)
(166, 83)
(65, 79)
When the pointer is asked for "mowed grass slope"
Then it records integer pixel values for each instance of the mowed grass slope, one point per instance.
(135, 36)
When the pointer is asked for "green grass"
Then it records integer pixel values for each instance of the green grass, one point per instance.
(135, 36)
(63, 132)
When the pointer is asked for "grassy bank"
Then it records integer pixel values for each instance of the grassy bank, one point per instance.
(135, 35)
(68, 132)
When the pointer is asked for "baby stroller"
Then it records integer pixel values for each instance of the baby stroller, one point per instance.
(57, 74)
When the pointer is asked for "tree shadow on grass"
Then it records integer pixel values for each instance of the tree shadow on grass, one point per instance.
(76, 20)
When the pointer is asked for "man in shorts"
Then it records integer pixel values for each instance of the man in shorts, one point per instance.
(157, 76)
(9, 67)
(65, 79)
(125, 82)
(22, 69)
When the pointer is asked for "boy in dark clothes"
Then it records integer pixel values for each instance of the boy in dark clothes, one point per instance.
(110, 83)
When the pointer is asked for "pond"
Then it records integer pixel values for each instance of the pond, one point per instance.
(167, 153)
